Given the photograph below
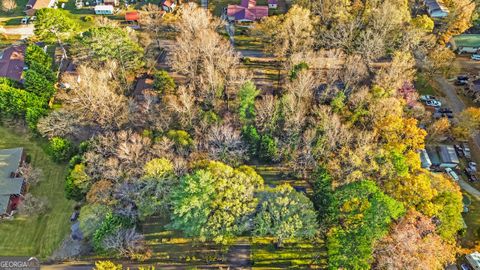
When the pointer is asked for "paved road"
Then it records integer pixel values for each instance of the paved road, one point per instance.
(24, 31)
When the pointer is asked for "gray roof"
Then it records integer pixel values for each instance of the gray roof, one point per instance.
(4, 199)
(434, 5)
(433, 155)
(448, 154)
(9, 162)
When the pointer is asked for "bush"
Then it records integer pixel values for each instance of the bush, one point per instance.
(88, 18)
(268, 150)
(60, 149)
(163, 83)
(37, 84)
(36, 54)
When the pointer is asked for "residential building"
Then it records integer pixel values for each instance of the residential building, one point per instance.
(247, 11)
(104, 9)
(12, 185)
(34, 5)
(442, 156)
(436, 9)
(474, 260)
(132, 16)
(111, 2)
(465, 43)
(12, 62)
(169, 5)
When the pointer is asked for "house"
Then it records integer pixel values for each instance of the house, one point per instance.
(436, 9)
(442, 156)
(104, 9)
(132, 16)
(465, 43)
(247, 11)
(169, 5)
(425, 159)
(273, 4)
(474, 260)
(12, 62)
(12, 186)
(33, 5)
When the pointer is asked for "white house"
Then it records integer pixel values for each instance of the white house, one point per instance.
(436, 9)
(104, 9)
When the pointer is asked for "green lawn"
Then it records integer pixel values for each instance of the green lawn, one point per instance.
(424, 86)
(293, 255)
(472, 219)
(37, 236)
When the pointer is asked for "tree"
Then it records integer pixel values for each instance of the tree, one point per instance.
(32, 206)
(163, 82)
(323, 195)
(438, 130)
(39, 85)
(214, 201)
(54, 25)
(98, 45)
(285, 214)
(127, 243)
(362, 215)
(35, 54)
(107, 265)
(413, 244)
(60, 149)
(9, 5)
(290, 33)
(246, 96)
(423, 22)
(468, 123)
(30, 174)
(91, 217)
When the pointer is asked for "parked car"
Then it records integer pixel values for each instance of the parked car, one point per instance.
(445, 110)
(476, 57)
(433, 103)
(74, 216)
(472, 166)
(471, 176)
(459, 150)
(466, 151)
(25, 20)
(427, 97)
(452, 174)
(461, 80)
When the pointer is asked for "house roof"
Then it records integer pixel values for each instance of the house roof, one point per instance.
(39, 4)
(448, 154)
(168, 3)
(248, 3)
(10, 186)
(272, 2)
(239, 12)
(9, 162)
(132, 16)
(467, 40)
(12, 62)
(474, 260)
(4, 200)
(435, 5)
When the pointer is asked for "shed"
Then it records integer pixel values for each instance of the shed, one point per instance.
(104, 10)
(465, 43)
(425, 159)
(474, 260)
(442, 156)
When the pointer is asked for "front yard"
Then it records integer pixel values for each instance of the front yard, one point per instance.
(37, 236)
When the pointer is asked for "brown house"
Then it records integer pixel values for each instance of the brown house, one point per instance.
(34, 5)
(12, 62)
(12, 185)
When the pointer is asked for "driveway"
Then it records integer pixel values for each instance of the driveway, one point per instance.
(457, 105)
(24, 31)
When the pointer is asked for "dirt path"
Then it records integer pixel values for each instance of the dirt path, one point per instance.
(24, 31)
(239, 255)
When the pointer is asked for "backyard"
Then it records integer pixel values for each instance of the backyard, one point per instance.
(37, 236)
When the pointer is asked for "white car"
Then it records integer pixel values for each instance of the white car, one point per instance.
(433, 103)
(476, 57)
(452, 174)
(426, 97)
(472, 166)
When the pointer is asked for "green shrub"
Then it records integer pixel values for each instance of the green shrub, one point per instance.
(37, 84)
(268, 150)
(88, 18)
(60, 149)
(163, 83)
(36, 54)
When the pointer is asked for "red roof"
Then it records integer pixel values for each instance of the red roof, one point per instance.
(12, 62)
(132, 16)
(251, 14)
(168, 3)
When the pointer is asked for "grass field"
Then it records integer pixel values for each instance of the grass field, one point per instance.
(37, 236)
(293, 255)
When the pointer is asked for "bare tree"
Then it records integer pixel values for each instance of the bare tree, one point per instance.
(30, 174)
(31, 205)
(223, 142)
(9, 5)
(127, 242)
